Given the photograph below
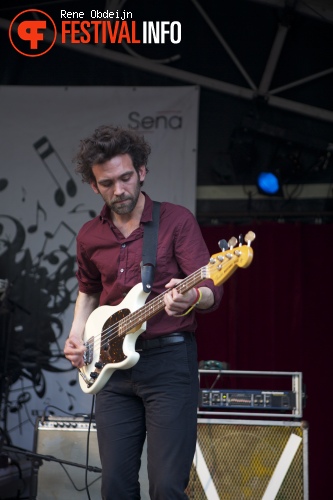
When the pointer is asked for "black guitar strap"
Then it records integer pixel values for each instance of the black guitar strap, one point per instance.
(149, 249)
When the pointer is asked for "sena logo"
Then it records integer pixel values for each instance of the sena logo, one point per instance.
(32, 33)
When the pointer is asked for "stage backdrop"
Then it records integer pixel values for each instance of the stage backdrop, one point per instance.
(42, 206)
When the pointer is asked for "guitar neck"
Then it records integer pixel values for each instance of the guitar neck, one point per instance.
(156, 305)
(220, 267)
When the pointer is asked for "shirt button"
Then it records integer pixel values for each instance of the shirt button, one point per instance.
(121, 270)
(123, 245)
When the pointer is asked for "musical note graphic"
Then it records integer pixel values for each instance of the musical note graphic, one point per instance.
(56, 243)
(71, 399)
(76, 210)
(62, 234)
(57, 170)
(3, 184)
(60, 386)
(39, 210)
(22, 399)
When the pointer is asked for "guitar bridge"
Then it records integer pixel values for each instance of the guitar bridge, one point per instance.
(86, 380)
(89, 352)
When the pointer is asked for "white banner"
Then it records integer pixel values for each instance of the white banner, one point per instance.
(42, 206)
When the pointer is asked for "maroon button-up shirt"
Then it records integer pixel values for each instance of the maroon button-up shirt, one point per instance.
(109, 263)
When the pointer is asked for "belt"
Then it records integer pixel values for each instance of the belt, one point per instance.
(163, 340)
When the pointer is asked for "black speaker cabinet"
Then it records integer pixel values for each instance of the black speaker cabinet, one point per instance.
(250, 459)
(66, 439)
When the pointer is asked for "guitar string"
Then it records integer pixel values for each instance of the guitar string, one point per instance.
(135, 315)
(112, 332)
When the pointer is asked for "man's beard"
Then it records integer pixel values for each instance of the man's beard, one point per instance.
(129, 202)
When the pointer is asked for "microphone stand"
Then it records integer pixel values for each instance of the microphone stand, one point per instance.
(37, 461)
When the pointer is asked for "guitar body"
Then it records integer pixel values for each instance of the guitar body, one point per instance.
(106, 345)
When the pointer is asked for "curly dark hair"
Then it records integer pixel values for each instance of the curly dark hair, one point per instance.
(106, 142)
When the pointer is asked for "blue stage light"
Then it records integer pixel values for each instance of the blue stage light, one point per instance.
(268, 183)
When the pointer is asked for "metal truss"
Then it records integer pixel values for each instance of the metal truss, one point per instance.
(249, 92)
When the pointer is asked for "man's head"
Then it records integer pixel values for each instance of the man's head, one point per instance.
(107, 142)
(119, 184)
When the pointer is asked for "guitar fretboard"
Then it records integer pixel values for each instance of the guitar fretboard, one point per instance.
(156, 305)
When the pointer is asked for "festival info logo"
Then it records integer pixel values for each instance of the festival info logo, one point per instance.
(32, 33)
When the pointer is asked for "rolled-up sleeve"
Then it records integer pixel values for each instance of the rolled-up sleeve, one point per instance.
(192, 254)
(88, 276)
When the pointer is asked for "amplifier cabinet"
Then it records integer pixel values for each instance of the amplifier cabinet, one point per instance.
(66, 439)
(240, 459)
(234, 460)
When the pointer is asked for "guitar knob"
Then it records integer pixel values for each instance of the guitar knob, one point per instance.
(223, 244)
(93, 375)
(232, 242)
(249, 237)
(99, 365)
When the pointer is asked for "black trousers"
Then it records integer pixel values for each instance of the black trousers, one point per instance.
(158, 396)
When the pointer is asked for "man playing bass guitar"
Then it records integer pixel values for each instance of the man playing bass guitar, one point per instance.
(157, 394)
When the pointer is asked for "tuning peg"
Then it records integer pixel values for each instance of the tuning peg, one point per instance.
(223, 244)
(249, 237)
(232, 242)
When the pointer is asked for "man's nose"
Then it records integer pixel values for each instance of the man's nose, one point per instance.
(118, 188)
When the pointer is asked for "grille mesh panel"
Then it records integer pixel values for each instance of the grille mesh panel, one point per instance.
(241, 460)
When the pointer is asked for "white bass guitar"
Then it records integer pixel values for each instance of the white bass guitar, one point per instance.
(111, 331)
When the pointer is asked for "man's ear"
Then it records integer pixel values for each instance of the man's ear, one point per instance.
(142, 173)
(94, 187)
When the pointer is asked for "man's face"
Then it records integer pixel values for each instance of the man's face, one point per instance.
(118, 183)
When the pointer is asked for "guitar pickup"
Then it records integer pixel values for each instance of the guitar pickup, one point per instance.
(89, 352)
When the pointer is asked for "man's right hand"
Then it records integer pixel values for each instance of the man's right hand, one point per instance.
(74, 351)
(74, 347)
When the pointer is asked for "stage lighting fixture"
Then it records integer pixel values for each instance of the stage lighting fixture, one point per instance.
(283, 167)
(268, 183)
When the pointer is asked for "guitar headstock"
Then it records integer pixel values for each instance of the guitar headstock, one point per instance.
(224, 264)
